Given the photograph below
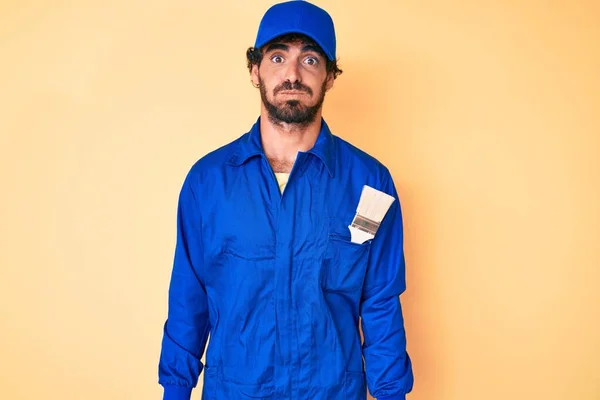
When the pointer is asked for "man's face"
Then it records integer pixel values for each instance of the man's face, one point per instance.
(293, 80)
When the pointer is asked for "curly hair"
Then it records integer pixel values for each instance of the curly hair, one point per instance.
(254, 55)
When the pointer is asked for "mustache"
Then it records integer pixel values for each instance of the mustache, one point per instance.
(292, 86)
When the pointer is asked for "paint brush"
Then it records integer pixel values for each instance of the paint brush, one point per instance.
(372, 207)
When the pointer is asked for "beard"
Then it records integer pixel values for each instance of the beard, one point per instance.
(292, 111)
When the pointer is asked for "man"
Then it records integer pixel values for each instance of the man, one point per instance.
(265, 260)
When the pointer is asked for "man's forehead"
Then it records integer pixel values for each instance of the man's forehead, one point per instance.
(286, 44)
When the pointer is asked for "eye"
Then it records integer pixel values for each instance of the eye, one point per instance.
(311, 60)
(277, 59)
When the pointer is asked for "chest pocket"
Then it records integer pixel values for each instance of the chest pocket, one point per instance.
(345, 263)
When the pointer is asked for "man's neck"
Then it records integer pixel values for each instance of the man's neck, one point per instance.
(282, 142)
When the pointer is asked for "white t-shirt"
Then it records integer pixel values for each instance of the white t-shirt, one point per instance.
(282, 179)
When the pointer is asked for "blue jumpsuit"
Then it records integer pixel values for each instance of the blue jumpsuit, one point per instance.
(277, 283)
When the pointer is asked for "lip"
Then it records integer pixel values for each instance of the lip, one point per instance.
(291, 92)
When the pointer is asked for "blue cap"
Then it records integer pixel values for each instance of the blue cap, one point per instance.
(298, 16)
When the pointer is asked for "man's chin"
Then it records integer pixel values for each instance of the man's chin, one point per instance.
(291, 105)
(293, 117)
(290, 111)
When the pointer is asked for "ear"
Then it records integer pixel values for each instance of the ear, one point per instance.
(254, 75)
(329, 81)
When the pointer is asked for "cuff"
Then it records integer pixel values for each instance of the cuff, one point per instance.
(177, 393)
(393, 397)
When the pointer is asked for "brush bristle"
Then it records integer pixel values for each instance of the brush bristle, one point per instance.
(374, 204)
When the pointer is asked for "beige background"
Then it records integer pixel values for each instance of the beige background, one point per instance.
(486, 112)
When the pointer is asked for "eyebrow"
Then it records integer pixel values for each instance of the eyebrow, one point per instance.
(310, 47)
(277, 46)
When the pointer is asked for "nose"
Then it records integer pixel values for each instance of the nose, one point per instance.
(292, 73)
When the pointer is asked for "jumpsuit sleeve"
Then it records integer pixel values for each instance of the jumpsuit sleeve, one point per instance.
(187, 326)
(388, 365)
